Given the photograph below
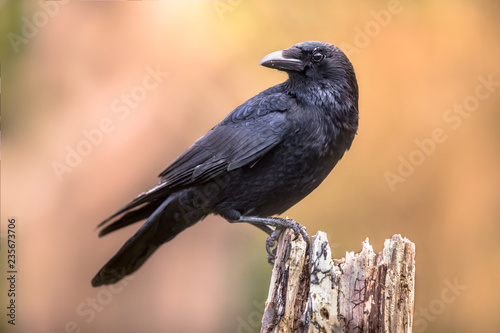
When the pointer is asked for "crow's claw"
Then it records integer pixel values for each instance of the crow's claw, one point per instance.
(272, 245)
(299, 229)
(279, 224)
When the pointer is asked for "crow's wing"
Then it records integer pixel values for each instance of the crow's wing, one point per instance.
(242, 138)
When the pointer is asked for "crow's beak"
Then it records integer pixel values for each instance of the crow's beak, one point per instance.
(282, 60)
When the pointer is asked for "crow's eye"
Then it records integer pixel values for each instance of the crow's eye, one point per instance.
(317, 56)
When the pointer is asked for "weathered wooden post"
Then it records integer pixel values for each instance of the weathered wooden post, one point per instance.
(363, 292)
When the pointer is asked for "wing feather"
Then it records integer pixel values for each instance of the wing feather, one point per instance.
(242, 138)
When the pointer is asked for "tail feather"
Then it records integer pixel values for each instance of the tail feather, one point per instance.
(130, 257)
(124, 263)
(135, 251)
(131, 217)
(161, 190)
(163, 224)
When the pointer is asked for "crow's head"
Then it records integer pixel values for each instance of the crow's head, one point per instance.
(316, 66)
(316, 60)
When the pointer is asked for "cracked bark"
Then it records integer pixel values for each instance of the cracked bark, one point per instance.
(363, 292)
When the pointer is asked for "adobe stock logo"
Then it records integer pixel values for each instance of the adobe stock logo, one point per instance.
(253, 321)
(448, 295)
(364, 35)
(225, 6)
(453, 118)
(89, 309)
(121, 108)
(30, 28)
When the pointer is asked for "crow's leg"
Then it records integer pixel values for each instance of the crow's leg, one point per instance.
(280, 224)
(264, 227)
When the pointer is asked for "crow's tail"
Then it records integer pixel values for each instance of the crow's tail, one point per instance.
(164, 223)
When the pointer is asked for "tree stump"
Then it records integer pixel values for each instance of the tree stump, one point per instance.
(363, 292)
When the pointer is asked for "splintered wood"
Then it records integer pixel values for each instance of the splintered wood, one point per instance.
(363, 292)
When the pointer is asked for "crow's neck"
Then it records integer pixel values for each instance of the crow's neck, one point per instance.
(337, 98)
(329, 94)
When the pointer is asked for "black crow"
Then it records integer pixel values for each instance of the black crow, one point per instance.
(263, 158)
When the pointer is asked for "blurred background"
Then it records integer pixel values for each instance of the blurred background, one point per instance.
(82, 135)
